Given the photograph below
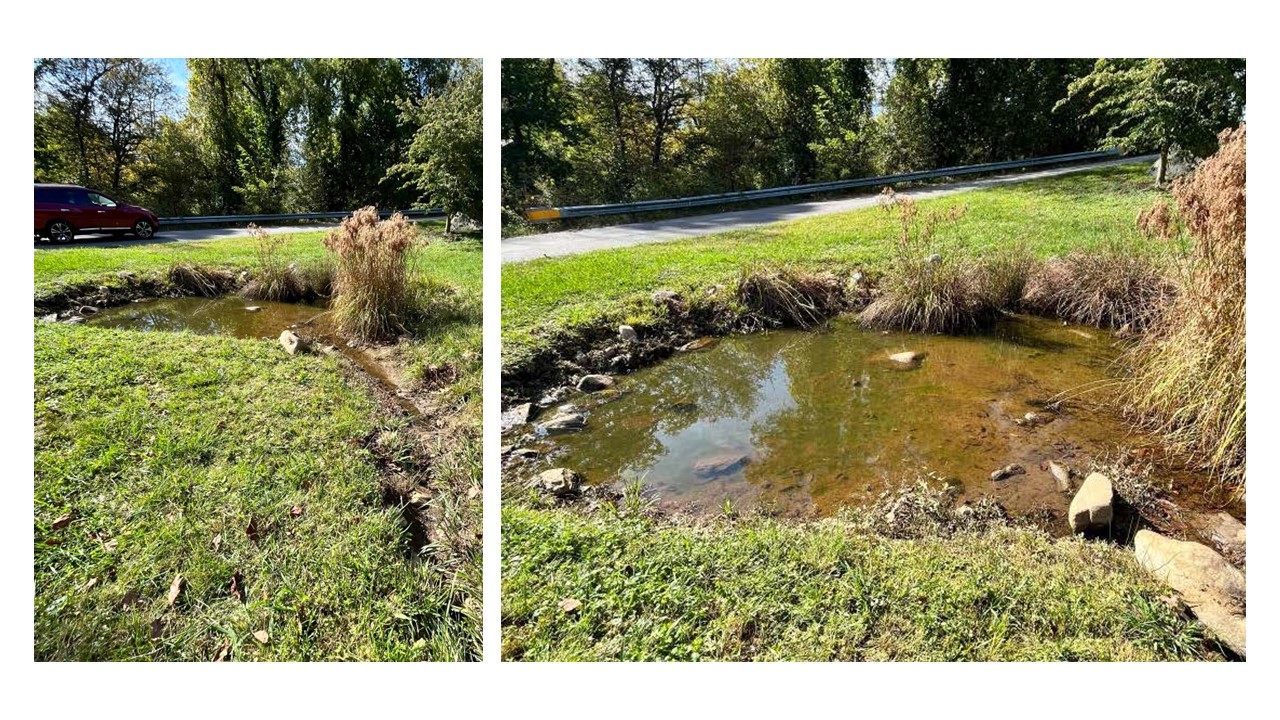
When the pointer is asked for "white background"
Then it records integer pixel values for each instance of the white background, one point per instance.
(492, 30)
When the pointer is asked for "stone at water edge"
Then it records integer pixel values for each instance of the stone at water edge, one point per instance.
(1212, 588)
(595, 383)
(515, 416)
(560, 482)
(628, 333)
(908, 359)
(293, 344)
(1061, 474)
(253, 308)
(1091, 507)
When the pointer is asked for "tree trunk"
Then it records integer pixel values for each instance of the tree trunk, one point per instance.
(448, 222)
(1163, 166)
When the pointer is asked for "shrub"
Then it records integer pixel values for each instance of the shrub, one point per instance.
(1113, 288)
(924, 290)
(1189, 372)
(371, 293)
(273, 277)
(192, 279)
(790, 297)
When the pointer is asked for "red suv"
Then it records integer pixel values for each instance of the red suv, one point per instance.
(64, 210)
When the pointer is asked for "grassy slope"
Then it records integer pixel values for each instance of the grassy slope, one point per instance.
(763, 590)
(1053, 216)
(160, 442)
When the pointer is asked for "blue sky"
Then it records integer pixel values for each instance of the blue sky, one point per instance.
(176, 69)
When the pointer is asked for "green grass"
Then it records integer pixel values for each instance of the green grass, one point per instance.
(165, 449)
(765, 590)
(1052, 215)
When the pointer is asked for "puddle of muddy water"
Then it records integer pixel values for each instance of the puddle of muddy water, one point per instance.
(807, 422)
(253, 319)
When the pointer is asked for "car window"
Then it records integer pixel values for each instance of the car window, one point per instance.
(103, 200)
(44, 195)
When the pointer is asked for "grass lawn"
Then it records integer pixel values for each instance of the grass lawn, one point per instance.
(1053, 216)
(765, 590)
(246, 471)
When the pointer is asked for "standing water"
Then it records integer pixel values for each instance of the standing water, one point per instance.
(805, 422)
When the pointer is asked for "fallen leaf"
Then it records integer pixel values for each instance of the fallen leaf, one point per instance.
(130, 600)
(223, 653)
(61, 522)
(261, 636)
(88, 585)
(175, 588)
(473, 492)
(570, 604)
(254, 531)
(110, 545)
(237, 586)
(295, 511)
(157, 629)
(217, 542)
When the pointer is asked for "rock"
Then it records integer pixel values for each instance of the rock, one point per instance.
(51, 317)
(1061, 474)
(292, 343)
(1214, 590)
(525, 453)
(933, 259)
(515, 416)
(856, 278)
(695, 345)
(505, 450)
(554, 396)
(1226, 533)
(125, 275)
(1091, 507)
(908, 359)
(1032, 419)
(594, 383)
(667, 297)
(564, 422)
(76, 320)
(723, 464)
(560, 482)
(1007, 472)
(253, 308)
(628, 333)
(88, 310)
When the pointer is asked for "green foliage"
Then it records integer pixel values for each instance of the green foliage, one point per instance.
(1157, 103)
(444, 161)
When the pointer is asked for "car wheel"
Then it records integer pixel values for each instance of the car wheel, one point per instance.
(60, 231)
(143, 229)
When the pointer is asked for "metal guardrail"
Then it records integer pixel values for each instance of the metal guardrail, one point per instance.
(548, 214)
(285, 217)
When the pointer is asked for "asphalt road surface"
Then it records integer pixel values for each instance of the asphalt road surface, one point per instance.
(572, 242)
(183, 235)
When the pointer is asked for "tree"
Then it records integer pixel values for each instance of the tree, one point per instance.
(536, 108)
(1160, 104)
(444, 160)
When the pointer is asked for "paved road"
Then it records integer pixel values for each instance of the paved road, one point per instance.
(171, 235)
(572, 242)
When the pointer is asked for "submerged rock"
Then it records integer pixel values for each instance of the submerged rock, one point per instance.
(595, 383)
(564, 422)
(293, 343)
(1007, 472)
(722, 464)
(627, 333)
(560, 482)
(1214, 590)
(695, 345)
(908, 359)
(1090, 509)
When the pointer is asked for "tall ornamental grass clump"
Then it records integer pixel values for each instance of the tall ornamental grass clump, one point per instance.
(1189, 371)
(1114, 286)
(923, 289)
(273, 277)
(372, 296)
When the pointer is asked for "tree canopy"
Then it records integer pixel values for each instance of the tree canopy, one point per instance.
(254, 135)
(594, 130)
